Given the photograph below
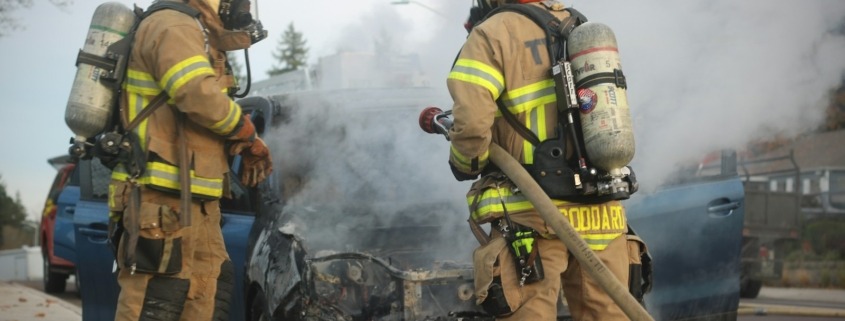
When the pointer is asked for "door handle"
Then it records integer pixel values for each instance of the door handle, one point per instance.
(96, 236)
(722, 207)
(70, 210)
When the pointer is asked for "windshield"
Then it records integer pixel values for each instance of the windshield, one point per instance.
(837, 189)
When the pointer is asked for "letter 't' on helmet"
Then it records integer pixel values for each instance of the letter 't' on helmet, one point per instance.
(241, 15)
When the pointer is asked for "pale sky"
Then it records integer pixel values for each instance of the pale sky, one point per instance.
(702, 74)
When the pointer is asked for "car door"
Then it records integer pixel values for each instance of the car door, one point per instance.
(95, 269)
(694, 233)
(236, 223)
(63, 235)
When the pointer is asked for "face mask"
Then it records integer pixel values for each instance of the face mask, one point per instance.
(239, 15)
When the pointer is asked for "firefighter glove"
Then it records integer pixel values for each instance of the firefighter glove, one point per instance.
(244, 131)
(256, 160)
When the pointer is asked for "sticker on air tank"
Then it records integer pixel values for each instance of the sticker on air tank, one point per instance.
(588, 100)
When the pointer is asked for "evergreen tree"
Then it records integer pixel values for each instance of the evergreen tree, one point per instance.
(12, 211)
(291, 52)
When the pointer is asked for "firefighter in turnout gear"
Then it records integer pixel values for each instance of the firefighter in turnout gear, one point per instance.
(170, 252)
(504, 67)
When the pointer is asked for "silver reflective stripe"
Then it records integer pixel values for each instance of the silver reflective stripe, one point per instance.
(183, 72)
(516, 101)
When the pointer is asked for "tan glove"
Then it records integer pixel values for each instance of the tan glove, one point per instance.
(256, 160)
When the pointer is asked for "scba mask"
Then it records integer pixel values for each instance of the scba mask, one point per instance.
(240, 15)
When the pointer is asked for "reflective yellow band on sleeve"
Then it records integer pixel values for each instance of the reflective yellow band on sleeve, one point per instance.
(183, 72)
(465, 164)
(227, 124)
(478, 73)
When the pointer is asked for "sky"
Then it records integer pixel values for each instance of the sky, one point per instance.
(702, 74)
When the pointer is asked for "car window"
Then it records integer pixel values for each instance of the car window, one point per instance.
(58, 183)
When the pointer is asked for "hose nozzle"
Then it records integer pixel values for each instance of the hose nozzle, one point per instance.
(434, 120)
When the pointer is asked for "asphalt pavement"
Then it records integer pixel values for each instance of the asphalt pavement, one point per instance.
(22, 301)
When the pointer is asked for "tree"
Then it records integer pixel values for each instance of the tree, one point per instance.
(8, 22)
(12, 211)
(291, 52)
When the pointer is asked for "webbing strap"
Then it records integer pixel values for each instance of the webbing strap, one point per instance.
(520, 129)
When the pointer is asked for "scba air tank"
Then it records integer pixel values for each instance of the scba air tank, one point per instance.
(603, 98)
(89, 107)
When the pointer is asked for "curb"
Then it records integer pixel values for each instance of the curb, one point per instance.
(765, 309)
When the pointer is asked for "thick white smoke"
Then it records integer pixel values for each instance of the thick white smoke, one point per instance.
(703, 75)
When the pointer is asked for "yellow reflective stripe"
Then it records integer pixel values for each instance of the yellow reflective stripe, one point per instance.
(598, 242)
(463, 163)
(138, 102)
(227, 124)
(536, 122)
(490, 203)
(167, 176)
(183, 72)
(141, 82)
(111, 196)
(479, 73)
(529, 97)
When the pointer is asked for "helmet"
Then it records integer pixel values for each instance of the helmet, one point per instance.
(241, 15)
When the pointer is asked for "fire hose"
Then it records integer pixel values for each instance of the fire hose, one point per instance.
(433, 120)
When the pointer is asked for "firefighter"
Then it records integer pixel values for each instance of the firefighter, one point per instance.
(504, 60)
(171, 270)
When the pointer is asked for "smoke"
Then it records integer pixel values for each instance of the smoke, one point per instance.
(703, 75)
(356, 172)
(707, 75)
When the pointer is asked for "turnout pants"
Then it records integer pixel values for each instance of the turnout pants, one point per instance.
(586, 299)
(198, 278)
(538, 301)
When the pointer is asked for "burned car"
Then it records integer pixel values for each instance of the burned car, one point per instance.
(349, 229)
(362, 220)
